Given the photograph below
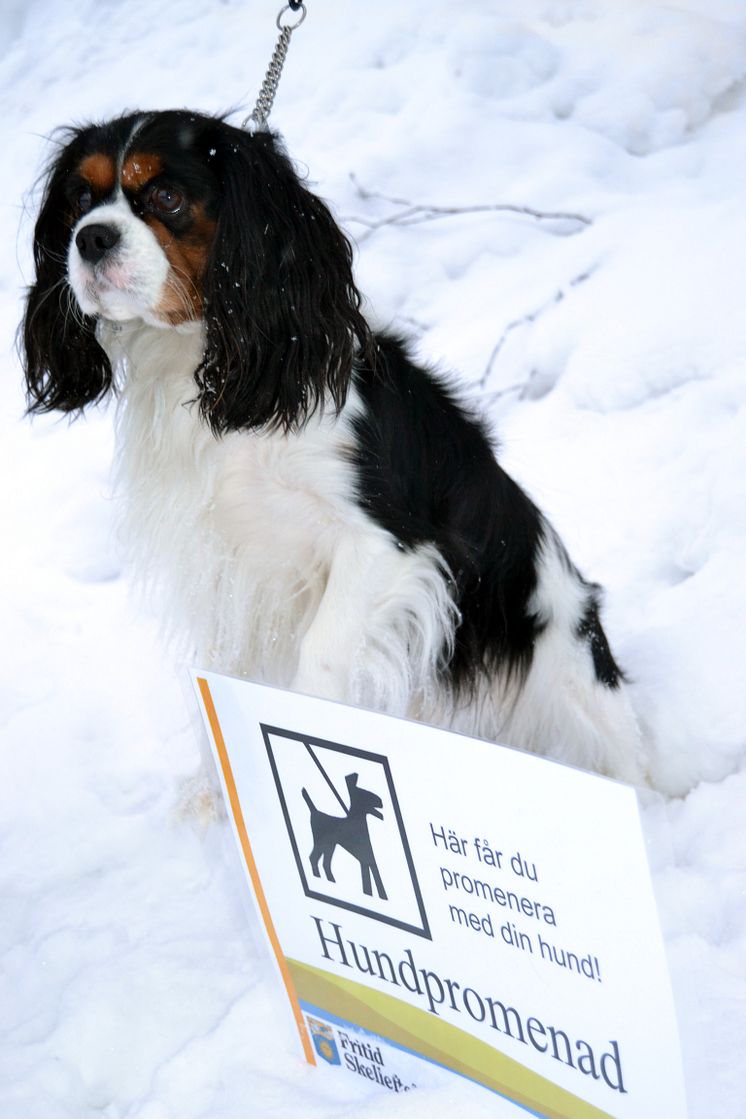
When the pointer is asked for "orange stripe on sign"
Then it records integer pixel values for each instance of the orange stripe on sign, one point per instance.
(248, 855)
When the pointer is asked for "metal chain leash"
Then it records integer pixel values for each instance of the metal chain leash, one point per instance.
(257, 118)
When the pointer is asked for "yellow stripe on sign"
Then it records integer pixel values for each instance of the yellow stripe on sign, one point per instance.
(424, 1034)
(248, 854)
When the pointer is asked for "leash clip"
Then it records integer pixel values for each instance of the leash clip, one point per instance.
(257, 118)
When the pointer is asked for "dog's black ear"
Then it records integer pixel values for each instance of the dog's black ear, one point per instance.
(351, 781)
(65, 367)
(282, 312)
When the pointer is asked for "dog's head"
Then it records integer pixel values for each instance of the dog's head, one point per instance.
(363, 800)
(170, 217)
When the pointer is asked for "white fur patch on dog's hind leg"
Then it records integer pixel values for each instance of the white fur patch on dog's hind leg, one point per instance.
(563, 712)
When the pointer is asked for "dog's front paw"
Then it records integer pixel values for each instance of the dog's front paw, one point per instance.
(322, 681)
(199, 802)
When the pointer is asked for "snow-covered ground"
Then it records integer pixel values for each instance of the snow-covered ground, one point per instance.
(611, 356)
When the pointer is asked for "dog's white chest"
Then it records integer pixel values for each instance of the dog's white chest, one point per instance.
(238, 532)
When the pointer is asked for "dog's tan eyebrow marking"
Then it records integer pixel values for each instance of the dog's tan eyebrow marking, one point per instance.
(99, 171)
(139, 168)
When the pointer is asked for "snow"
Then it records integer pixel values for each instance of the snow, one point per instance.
(610, 357)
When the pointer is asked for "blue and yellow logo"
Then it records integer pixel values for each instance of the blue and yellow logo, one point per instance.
(323, 1041)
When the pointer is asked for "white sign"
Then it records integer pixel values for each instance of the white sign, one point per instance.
(436, 902)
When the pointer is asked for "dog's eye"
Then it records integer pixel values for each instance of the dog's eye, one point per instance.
(83, 201)
(165, 199)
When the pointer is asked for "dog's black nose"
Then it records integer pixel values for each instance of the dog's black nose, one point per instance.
(94, 241)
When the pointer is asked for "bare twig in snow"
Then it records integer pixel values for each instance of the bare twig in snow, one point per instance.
(411, 213)
(529, 317)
